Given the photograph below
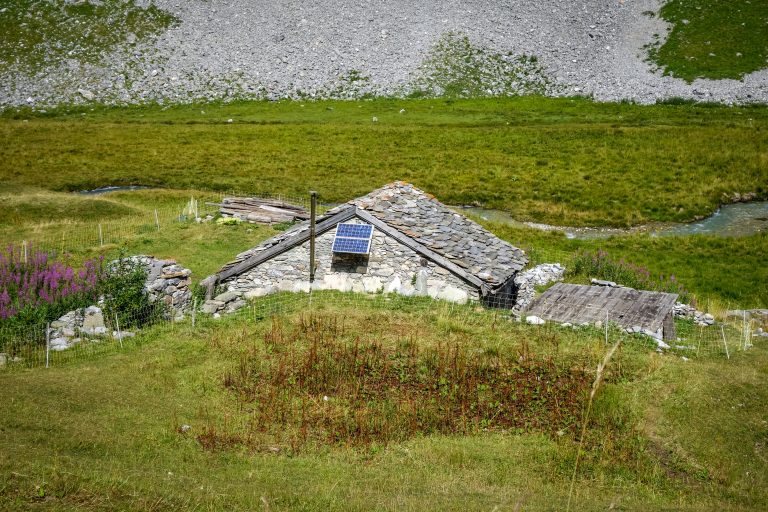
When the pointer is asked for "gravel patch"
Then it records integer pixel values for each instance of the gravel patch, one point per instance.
(225, 50)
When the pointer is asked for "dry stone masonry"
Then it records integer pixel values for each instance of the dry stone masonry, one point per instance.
(391, 268)
(540, 275)
(167, 282)
(419, 247)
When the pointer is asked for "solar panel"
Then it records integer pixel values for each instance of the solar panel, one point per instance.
(353, 238)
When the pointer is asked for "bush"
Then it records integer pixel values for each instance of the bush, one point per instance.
(125, 297)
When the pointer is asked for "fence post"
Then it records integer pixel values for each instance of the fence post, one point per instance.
(101, 237)
(194, 308)
(157, 220)
(119, 334)
(24, 244)
(722, 332)
(47, 344)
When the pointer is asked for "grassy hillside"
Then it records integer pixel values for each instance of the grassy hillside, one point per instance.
(35, 34)
(561, 161)
(714, 38)
(106, 434)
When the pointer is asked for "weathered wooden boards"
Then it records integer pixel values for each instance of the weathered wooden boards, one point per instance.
(627, 307)
(263, 211)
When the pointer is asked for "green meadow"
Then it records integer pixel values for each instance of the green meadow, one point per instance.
(559, 161)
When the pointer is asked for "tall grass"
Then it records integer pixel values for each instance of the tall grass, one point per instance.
(598, 264)
(560, 161)
(318, 382)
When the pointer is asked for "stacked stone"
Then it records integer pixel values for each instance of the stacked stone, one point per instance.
(166, 281)
(462, 241)
(540, 275)
(169, 282)
(390, 268)
(691, 313)
(83, 323)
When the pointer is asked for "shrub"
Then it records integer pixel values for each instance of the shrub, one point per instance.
(125, 296)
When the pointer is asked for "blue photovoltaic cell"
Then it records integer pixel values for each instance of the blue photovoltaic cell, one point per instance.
(355, 230)
(353, 238)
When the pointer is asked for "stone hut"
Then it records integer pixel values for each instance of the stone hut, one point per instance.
(397, 239)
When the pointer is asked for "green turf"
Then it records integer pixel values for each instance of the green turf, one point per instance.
(37, 34)
(562, 161)
(714, 38)
(103, 433)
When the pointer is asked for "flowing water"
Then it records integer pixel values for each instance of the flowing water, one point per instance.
(732, 220)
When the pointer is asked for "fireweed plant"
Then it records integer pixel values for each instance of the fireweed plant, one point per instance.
(600, 265)
(36, 287)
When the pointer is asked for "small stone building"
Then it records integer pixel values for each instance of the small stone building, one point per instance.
(397, 239)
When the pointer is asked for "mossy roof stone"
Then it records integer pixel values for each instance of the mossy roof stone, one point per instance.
(422, 218)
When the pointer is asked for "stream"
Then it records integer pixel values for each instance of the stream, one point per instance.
(731, 220)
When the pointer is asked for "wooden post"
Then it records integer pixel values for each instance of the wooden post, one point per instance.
(194, 308)
(24, 244)
(312, 212)
(157, 220)
(101, 237)
(119, 334)
(725, 344)
(47, 344)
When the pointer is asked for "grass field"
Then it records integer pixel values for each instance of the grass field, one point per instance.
(713, 39)
(34, 34)
(560, 161)
(105, 433)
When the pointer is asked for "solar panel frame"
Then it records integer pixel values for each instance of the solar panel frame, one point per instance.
(353, 238)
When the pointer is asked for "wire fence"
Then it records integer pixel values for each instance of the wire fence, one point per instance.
(83, 337)
(73, 237)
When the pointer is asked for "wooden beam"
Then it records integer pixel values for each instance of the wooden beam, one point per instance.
(286, 245)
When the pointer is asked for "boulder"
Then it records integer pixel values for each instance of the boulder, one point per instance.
(534, 320)
(226, 297)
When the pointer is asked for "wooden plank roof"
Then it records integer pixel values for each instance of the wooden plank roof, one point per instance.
(627, 307)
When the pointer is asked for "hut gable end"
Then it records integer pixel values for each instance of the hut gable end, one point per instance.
(418, 246)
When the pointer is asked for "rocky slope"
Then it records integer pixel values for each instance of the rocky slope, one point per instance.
(224, 49)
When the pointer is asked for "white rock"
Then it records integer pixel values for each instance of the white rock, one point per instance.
(394, 285)
(57, 343)
(88, 95)
(372, 284)
(453, 294)
(534, 320)
(258, 292)
(338, 282)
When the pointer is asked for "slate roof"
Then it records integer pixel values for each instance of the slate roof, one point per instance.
(422, 218)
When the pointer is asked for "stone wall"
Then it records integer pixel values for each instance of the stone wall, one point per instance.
(169, 282)
(540, 275)
(391, 267)
(166, 281)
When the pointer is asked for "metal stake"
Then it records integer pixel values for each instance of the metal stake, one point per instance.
(312, 213)
(47, 344)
